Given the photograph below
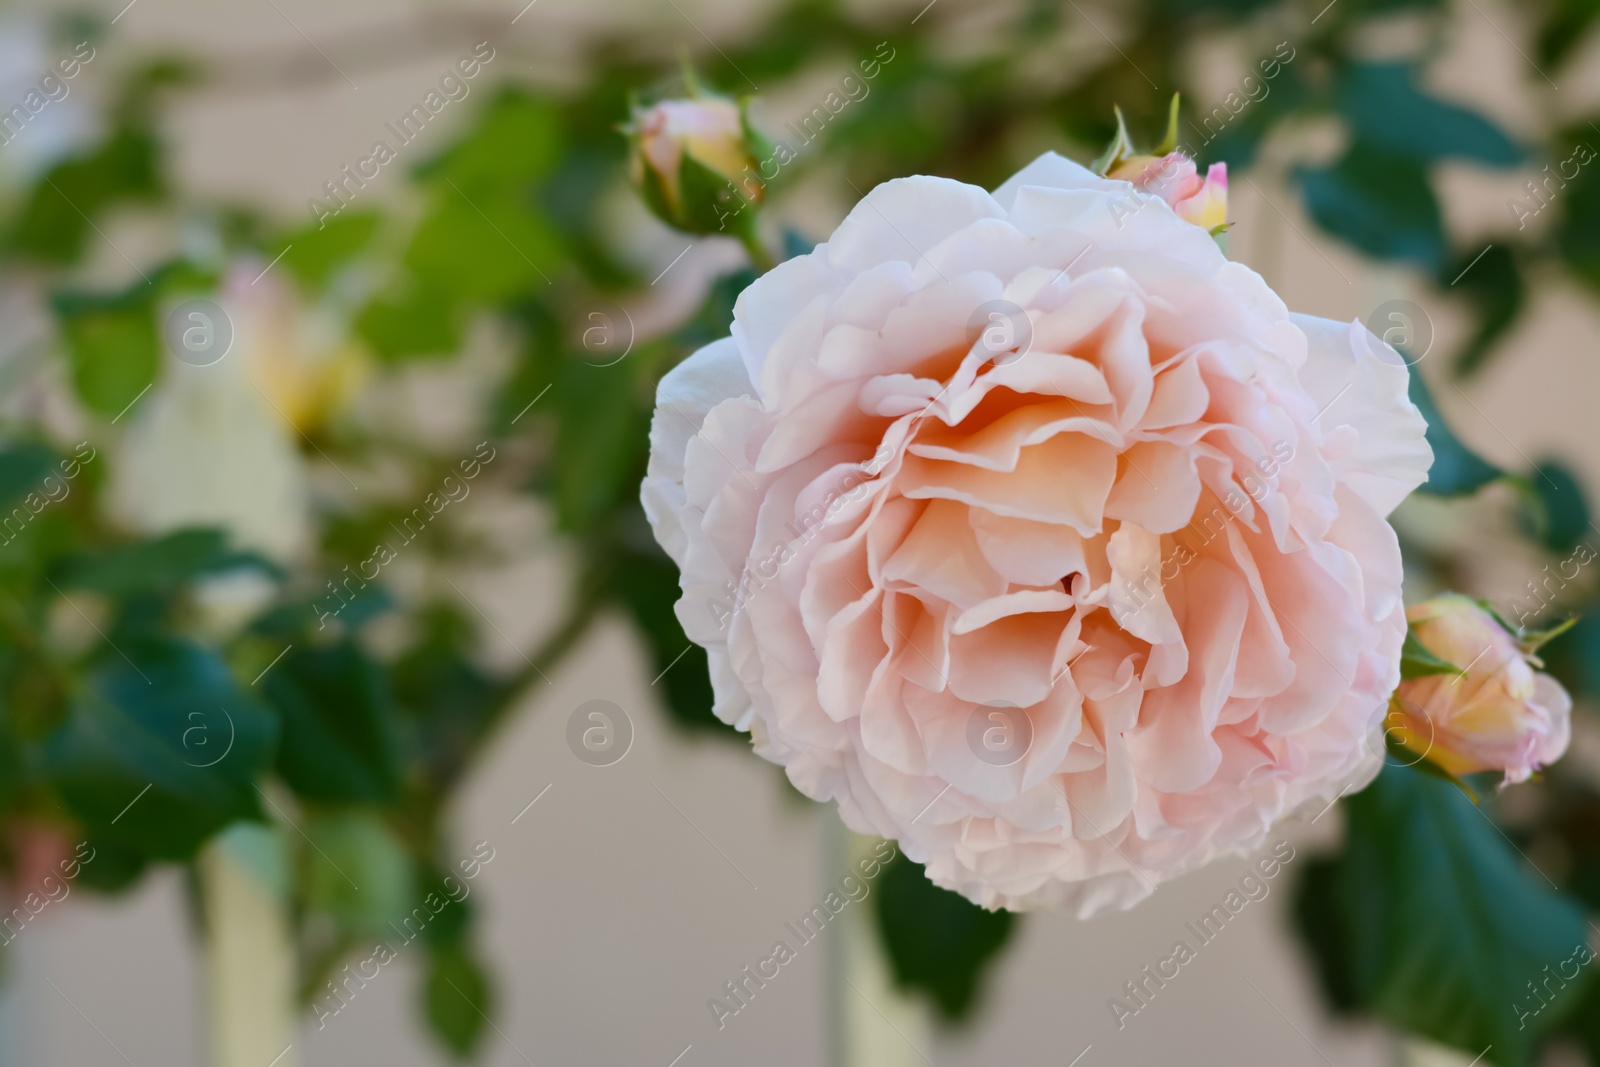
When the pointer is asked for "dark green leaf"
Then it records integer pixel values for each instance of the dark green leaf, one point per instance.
(1565, 28)
(356, 871)
(110, 867)
(1443, 926)
(1386, 109)
(1456, 470)
(1573, 658)
(598, 436)
(338, 724)
(161, 565)
(1577, 230)
(452, 924)
(446, 700)
(456, 999)
(1230, 130)
(1321, 921)
(55, 223)
(161, 749)
(648, 585)
(1493, 286)
(1380, 201)
(23, 469)
(938, 943)
(1557, 513)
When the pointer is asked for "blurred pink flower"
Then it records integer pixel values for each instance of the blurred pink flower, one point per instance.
(1040, 536)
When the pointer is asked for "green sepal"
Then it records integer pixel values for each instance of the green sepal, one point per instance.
(1169, 143)
(708, 202)
(1530, 640)
(1120, 148)
(1417, 662)
(756, 144)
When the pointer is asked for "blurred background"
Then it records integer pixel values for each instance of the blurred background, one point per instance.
(325, 595)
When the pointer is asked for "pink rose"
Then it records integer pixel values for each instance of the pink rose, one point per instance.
(1500, 715)
(1040, 536)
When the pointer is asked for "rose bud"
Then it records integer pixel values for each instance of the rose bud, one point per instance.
(1175, 179)
(1485, 708)
(688, 156)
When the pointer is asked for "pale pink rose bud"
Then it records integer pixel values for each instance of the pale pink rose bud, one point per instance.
(1500, 714)
(688, 159)
(1175, 179)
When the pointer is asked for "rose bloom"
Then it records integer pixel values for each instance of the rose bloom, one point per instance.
(1501, 715)
(1040, 536)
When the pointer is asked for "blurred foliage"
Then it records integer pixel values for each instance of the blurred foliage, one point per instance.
(1429, 918)
(1432, 920)
(937, 942)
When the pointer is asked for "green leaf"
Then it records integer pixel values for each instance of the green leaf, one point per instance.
(938, 943)
(481, 245)
(338, 724)
(482, 239)
(601, 425)
(1234, 127)
(1574, 660)
(110, 867)
(161, 749)
(457, 1001)
(160, 565)
(408, 323)
(1577, 230)
(1380, 201)
(24, 465)
(1456, 470)
(112, 344)
(445, 700)
(357, 871)
(648, 585)
(1565, 28)
(1556, 511)
(1319, 918)
(1417, 662)
(1438, 926)
(1386, 109)
(317, 252)
(516, 140)
(54, 225)
(1493, 287)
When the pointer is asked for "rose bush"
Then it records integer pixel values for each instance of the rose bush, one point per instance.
(1044, 450)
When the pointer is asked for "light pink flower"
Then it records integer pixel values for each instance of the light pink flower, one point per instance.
(1030, 450)
(1501, 715)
